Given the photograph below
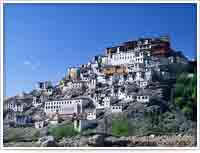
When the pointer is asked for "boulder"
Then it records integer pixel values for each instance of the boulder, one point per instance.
(152, 136)
(76, 141)
(115, 141)
(96, 140)
(83, 142)
(47, 141)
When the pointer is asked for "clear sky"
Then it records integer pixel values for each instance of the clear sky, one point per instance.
(42, 40)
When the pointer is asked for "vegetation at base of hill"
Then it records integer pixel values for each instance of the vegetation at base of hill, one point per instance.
(166, 123)
(120, 127)
(62, 131)
(186, 94)
(20, 134)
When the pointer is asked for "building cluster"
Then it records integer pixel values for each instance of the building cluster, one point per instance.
(133, 72)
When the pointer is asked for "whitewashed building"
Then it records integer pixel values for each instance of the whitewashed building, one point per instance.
(143, 98)
(91, 114)
(15, 106)
(135, 67)
(116, 109)
(121, 94)
(106, 102)
(63, 106)
(48, 91)
(101, 79)
(55, 119)
(39, 121)
(129, 97)
(39, 124)
(43, 85)
(142, 84)
(130, 57)
(75, 84)
(36, 102)
(91, 84)
(100, 105)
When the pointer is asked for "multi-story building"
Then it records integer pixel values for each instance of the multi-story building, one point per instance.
(74, 73)
(116, 108)
(16, 107)
(111, 70)
(67, 107)
(44, 85)
(18, 104)
(91, 84)
(63, 106)
(75, 84)
(131, 57)
(37, 101)
(156, 46)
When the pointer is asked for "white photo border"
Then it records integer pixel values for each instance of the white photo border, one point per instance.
(196, 2)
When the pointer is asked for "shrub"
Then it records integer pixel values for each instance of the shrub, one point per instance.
(36, 135)
(186, 94)
(120, 127)
(63, 131)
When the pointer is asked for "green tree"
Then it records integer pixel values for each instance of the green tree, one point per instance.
(120, 127)
(186, 94)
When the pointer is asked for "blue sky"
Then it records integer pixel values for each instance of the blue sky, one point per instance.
(43, 40)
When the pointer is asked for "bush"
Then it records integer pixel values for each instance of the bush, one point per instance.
(186, 94)
(63, 131)
(120, 127)
(20, 134)
(36, 135)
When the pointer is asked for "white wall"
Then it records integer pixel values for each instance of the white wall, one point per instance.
(142, 99)
(126, 58)
(116, 109)
(101, 79)
(143, 84)
(91, 115)
(15, 107)
(35, 102)
(39, 124)
(129, 97)
(121, 95)
(63, 106)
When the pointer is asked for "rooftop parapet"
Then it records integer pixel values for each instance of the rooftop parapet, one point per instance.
(159, 46)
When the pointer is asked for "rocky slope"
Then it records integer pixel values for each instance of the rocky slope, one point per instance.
(99, 140)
